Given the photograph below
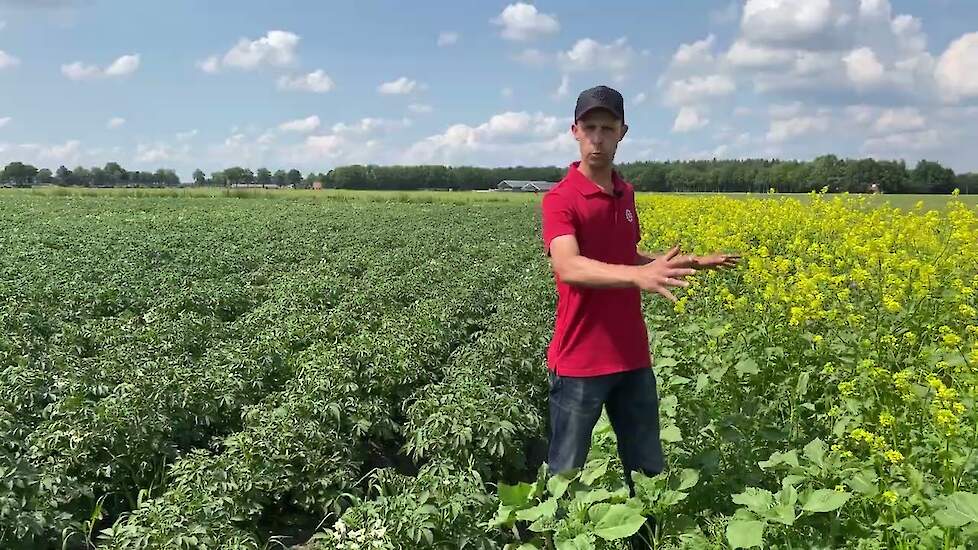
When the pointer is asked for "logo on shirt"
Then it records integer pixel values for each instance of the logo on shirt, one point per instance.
(629, 216)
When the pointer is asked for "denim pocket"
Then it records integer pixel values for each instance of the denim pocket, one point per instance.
(554, 380)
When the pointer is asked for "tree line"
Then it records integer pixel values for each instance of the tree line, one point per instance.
(722, 176)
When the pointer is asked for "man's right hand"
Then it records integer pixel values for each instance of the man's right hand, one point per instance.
(666, 271)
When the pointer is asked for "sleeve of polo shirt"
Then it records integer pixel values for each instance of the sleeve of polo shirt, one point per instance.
(558, 219)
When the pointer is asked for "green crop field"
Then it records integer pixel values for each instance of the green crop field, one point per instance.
(186, 369)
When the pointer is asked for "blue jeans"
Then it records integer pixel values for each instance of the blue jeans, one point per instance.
(633, 409)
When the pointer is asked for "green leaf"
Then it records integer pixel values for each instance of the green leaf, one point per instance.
(792, 479)
(580, 542)
(516, 496)
(910, 524)
(546, 509)
(594, 495)
(790, 458)
(670, 498)
(716, 373)
(787, 495)
(618, 522)
(815, 452)
(701, 381)
(671, 434)
(557, 485)
(781, 513)
(960, 509)
(688, 477)
(824, 500)
(757, 500)
(746, 366)
(594, 470)
(802, 387)
(864, 482)
(668, 404)
(661, 362)
(504, 517)
(745, 534)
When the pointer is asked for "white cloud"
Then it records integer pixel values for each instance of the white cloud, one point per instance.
(80, 71)
(370, 126)
(785, 110)
(184, 136)
(774, 21)
(149, 153)
(4, 121)
(639, 98)
(210, 65)
(689, 119)
(699, 52)
(903, 142)
(447, 38)
(861, 114)
(744, 54)
(401, 86)
(68, 153)
(522, 21)
(317, 82)
(899, 120)
(786, 129)
(589, 55)
(307, 124)
(863, 68)
(874, 8)
(564, 88)
(957, 68)
(7, 60)
(698, 88)
(115, 122)
(507, 138)
(122, 66)
(276, 48)
(420, 108)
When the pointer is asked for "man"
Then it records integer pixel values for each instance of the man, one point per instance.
(599, 354)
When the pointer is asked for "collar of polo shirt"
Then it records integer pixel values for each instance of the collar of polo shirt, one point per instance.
(588, 188)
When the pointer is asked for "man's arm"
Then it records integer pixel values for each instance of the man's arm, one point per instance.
(578, 270)
(643, 258)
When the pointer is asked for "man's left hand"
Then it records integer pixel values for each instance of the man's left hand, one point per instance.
(716, 261)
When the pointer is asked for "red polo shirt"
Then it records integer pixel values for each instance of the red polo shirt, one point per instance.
(598, 330)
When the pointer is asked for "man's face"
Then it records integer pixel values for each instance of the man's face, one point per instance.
(598, 133)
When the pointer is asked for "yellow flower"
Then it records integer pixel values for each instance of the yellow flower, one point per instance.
(886, 419)
(891, 304)
(893, 456)
(840, 488)
(890, 497)
(847, 388)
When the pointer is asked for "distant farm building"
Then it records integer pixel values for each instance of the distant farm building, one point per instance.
(525, 186)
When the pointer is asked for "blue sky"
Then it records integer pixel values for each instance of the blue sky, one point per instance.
(187, 83)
